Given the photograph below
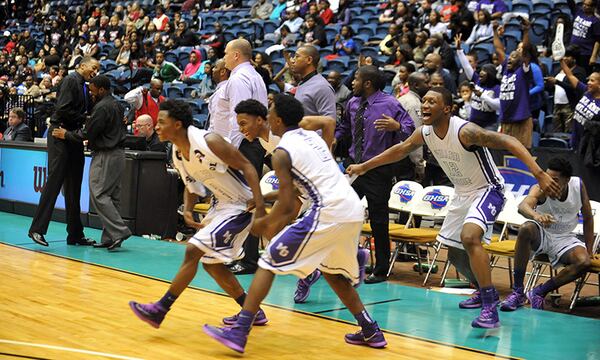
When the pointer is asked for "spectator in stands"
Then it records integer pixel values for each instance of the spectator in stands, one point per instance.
(124, 54)
(483, 29)
(206, 86)
(435, 25)
(191, 74)
(400, 82)
(485, 102)
(432, 65)
(565, 99)
(343, 44)
(114, 52)
(344, 15)
(145, 127)
(586, 33)
(165, 70)
(495, 7)
(436, 79)
(315, 34)
(448, 10)
(588, 107)
(278, 11)
(438, 45)
(17, 129)
(160, 19)
(261, 9)
(421, 46)
(387, 16)
(146, 101)
(376, 121)
(216, 40)
(342, 93)
(293, 25)
(184, 36)
(515, 112)
(325, 13)
(384, 47)
(31, 88)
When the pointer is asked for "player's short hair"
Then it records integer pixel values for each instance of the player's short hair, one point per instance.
(251, 107)
(562, 166)
(101, 81)
(178, 110)
(446, 95)
(289, 109)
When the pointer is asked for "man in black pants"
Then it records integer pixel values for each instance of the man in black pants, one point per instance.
(65, 158)
(376, 121)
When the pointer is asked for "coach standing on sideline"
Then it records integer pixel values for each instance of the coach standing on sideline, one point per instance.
(244, 83)
(314, 91)
(105, 134)
(65, 157)
(376, 121)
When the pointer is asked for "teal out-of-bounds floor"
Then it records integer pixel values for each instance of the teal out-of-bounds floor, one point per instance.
(410, 311)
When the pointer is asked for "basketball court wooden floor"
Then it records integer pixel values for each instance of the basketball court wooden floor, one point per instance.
(65, 302)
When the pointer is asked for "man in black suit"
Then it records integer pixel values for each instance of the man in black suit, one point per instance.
(65, 156)
(17, 130)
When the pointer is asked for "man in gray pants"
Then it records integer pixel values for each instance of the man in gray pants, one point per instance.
(105, 133)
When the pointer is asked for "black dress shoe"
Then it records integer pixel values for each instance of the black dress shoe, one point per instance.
(369, 269)
(117, 243)
(83, 242)
(38, 238)
(240, 269)
(102, 244)
(374, 279)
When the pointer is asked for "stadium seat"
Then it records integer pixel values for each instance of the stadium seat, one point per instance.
(523, 6)
(554, 143)
(174, 92)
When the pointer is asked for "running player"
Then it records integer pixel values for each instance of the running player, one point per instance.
(207, 158)
(549, 232)
(460, 147)
(325, 237)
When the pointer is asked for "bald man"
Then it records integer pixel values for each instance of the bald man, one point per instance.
(145, 101)
(314, 92)
(244, 83)
(342, 93)
(145, 127)
(433, 64)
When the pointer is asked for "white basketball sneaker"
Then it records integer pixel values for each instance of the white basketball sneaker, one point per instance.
(558, 47)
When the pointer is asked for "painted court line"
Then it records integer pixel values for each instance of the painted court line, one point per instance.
(365, 304)
(62, 348)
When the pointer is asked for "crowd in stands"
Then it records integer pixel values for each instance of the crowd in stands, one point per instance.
(466, 46)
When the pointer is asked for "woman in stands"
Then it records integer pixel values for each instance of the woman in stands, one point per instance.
(343, 45)
(483, 29)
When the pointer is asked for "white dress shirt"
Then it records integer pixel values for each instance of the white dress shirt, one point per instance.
(218, 108)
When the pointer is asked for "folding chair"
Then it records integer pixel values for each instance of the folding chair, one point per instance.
(433, 202)
(401, 196)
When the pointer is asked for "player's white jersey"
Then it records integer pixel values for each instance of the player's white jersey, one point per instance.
(228, 185)
(271, 144)
(565, 212)
(317, 175)
(470, 170)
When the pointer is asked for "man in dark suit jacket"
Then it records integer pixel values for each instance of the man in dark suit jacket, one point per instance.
(17, 129)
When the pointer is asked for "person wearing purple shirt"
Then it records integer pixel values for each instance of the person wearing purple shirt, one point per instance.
(586, 32)
(588, 107)
(515, 112)
(376, 121)
(494, 7)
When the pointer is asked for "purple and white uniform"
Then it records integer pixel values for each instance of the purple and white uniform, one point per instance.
(326, 236)
(227, 224)
(479, 187)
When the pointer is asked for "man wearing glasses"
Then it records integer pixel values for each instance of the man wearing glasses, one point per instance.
(145, 127)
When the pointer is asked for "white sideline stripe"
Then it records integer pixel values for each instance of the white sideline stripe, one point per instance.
(5, 341)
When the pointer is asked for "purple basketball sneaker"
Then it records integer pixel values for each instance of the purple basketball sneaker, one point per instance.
(233, 337)
(488, 318)
(514, 301)
(377, 340)
(474, 302)
(535, 299)
(151, 313)
(259, 320)
(363, 257)
(303, 287)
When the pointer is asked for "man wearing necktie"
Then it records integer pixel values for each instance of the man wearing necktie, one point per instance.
(17, 129)
(65, 155)
(376, 121)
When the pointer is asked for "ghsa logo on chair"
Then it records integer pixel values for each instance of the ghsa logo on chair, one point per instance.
(273, 181)
(405, 193)
(436, 199)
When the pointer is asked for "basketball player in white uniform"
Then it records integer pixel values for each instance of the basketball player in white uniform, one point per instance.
(325, 237)
(460, 149)
(252, 121)
(549, 232)
(205, 157)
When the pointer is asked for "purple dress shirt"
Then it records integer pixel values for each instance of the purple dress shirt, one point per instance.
(375, 141)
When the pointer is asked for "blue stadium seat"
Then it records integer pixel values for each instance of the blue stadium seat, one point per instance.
(370, 51)
(174, 92)
(200, 120)
(187, 91)
(336, 65)
(542, 5)
(524, 6)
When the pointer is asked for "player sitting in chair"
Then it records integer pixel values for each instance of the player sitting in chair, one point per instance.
(549, 232)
